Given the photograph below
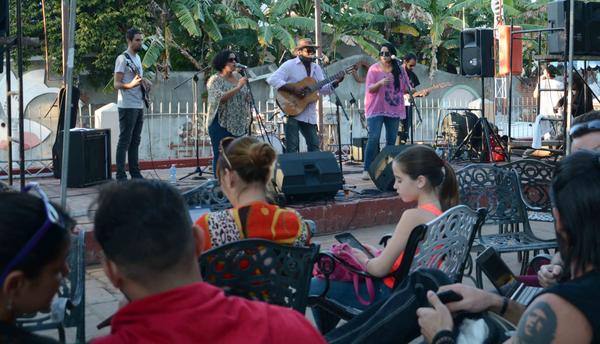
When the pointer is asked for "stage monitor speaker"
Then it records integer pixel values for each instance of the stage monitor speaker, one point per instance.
(380, 170)
(57, 146)
(476, 52)
(308, 176)
(558, 14)
(89, 157)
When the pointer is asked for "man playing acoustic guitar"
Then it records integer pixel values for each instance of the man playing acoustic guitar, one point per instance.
(295, 71)
(132, 92)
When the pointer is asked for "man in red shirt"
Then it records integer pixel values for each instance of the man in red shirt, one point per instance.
(151, 250)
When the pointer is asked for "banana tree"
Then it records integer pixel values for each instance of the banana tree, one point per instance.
(176, 24)
(442, 24)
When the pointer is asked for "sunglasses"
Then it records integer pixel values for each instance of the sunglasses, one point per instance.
(310, 50)
(584, 128)
(385, 53)
(52, 218)
(233, 59)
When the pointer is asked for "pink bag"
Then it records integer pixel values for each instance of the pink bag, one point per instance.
(345, 253)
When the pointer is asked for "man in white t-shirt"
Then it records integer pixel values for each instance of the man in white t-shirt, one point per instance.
(128, 80)
(548, 103)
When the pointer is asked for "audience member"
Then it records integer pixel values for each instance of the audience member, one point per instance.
(421, 176)
(151, 250)
(35, 243)
(244, 170)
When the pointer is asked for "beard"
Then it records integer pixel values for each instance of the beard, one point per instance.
(305, 59)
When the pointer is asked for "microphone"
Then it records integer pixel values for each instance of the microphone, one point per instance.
(239, 65)
(394, 57)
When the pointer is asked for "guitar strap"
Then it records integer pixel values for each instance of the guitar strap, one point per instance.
(137, 70)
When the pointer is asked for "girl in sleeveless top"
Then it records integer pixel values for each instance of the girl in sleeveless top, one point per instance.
(421, 176)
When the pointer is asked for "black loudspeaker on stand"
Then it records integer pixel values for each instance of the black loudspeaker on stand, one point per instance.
(380, 170)
(476, 58)
(308, 176)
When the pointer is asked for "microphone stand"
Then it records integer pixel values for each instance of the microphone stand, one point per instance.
(261, 125)
(195, 116)
(352, 106)
(338, 105)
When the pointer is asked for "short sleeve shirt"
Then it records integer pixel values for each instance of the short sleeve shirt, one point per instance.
(132, 98)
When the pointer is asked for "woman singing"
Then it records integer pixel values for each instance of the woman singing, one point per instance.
(384, 102)
(228, 102)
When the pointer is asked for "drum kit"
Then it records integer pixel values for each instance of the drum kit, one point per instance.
(270, 129)
(454, 127)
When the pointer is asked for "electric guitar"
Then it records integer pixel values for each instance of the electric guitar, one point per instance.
(143, 86)
(293, 104)
(424, 91)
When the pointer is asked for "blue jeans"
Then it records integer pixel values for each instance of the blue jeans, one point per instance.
(407, 124)
(343, 293)
(375, 124)
(217, 133)
(130, 136)
(292, 136)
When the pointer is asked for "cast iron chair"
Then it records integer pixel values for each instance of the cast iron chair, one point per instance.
(444, 243)
(498, 190)
(535, 177)
(262, 270)
(68, 309)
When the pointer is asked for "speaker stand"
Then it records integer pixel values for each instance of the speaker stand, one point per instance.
(485, 155)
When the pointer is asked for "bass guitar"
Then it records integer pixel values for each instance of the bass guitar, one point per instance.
(143, 86)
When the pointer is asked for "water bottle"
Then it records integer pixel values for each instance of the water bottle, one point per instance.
(173, 174)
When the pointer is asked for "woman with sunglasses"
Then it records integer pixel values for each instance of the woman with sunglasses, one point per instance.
(229, 102)
(34, 237)
(384, 102)
(244, 172)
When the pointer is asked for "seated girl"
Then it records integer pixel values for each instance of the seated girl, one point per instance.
(421, 176)
(244, 171)
(34, 237)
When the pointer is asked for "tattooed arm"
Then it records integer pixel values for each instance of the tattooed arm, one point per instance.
(551, 319)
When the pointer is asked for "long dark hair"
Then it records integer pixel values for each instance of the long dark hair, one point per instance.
(422, 160)
(395, 68)
(575, 189)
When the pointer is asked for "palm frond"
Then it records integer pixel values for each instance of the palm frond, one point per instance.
(283, 36)
(186, 17)
(281, 7)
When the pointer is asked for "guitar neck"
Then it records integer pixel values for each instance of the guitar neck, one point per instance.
(324, 82)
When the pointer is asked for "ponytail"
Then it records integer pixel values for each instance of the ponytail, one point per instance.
(448, 192)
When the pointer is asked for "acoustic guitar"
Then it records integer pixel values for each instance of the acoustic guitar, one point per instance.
(292, 104)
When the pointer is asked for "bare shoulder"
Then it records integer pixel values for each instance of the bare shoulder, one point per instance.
(414, 217)
(551, 319)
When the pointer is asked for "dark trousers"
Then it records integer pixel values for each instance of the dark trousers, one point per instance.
(393, 320)
(293, 127)
(130, 136)
(407, 124)
(217, 133)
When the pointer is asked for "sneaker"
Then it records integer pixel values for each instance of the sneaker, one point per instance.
(365, 176)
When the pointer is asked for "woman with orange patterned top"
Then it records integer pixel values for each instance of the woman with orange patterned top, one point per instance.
(421, 176)
(244, 170)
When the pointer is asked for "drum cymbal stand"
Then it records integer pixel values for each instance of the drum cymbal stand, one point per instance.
(489, 136)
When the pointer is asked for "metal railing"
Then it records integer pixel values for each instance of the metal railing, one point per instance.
(169, 132)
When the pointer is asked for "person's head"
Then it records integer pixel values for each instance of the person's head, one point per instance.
(34, 244)
(574, 192)
(410, 61)
(305, 49)
(224, 61)
(134, 39)
(146, 233)
(244, 163)
(387, 48)
(549, 71)
(585, 132)
(418, 170)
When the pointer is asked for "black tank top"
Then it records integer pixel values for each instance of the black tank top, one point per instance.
(582, 292)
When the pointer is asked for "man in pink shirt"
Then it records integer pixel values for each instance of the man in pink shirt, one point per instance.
(151, 250)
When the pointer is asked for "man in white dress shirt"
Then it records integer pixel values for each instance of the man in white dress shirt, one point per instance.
(553, 91)
(293, 71)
